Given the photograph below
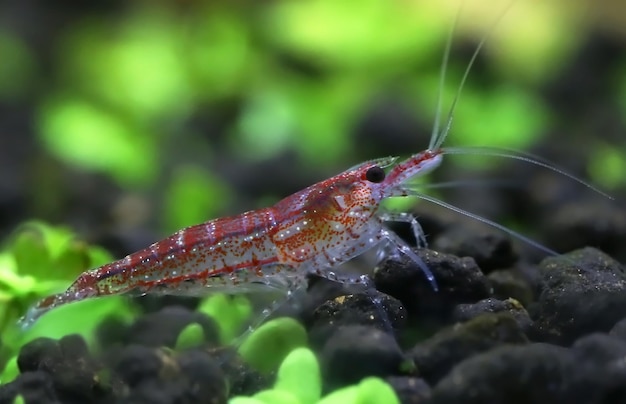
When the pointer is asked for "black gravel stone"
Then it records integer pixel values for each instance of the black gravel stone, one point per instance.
(490, 250)
(39, 354)
(410, 390)
(355, 352)
(459, 280)
(369, 309)
(71, 368)
(34, 387)
(581, 292)
(137, 363)
(163, 327)
(537, 373)
(588, 222)
(619, 330)
(242, 379)
(509, 283)
(203, 377)
(465, 312)
(436, 356)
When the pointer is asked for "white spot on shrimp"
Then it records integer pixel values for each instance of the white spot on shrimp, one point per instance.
(179, 238)
(341, 201)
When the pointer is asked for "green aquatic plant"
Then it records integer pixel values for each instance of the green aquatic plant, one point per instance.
(40, 260)
(190, 337)
(607, 165)
(298, 381)
(229, 312)
(266, 347)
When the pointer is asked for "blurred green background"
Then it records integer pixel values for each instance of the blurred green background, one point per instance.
(127, 120)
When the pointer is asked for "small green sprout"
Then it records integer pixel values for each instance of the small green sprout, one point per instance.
(371, 390)
(229, 312)
(299, 374)
(266, 348)
(191, 336)
(299, 382)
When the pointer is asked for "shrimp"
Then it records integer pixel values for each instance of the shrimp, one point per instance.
(310, 232)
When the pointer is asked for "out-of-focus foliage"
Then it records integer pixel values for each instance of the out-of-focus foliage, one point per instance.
(113, 145)
(178, 101)
(38, 261)
(192, 193)
(302, 73)
(607, 166)
(229, 312)
(17, 70)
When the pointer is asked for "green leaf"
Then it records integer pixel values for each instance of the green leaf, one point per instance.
(266, 348)
(56, 238)
(346, 395)
(364, 34)
(219, 53)
(245, 400)
(607, 166)
(190, 336)
(193, 196)
(10, 371)
(31, 252)
(135, 64)
(96, 139)
(373, 390)
(98, 256)
(80, 318)
(275, 396)
(11, 281)
(71, 262)
(229, 311)
(299, 374)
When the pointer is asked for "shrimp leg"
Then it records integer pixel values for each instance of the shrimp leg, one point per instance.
(394, 241)
(402, 217)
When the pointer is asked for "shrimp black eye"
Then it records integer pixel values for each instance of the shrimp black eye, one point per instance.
(375, 174)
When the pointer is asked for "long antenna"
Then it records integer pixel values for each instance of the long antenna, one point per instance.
(442, 78)
(441, 137)
(521, 156)
(519, 236)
